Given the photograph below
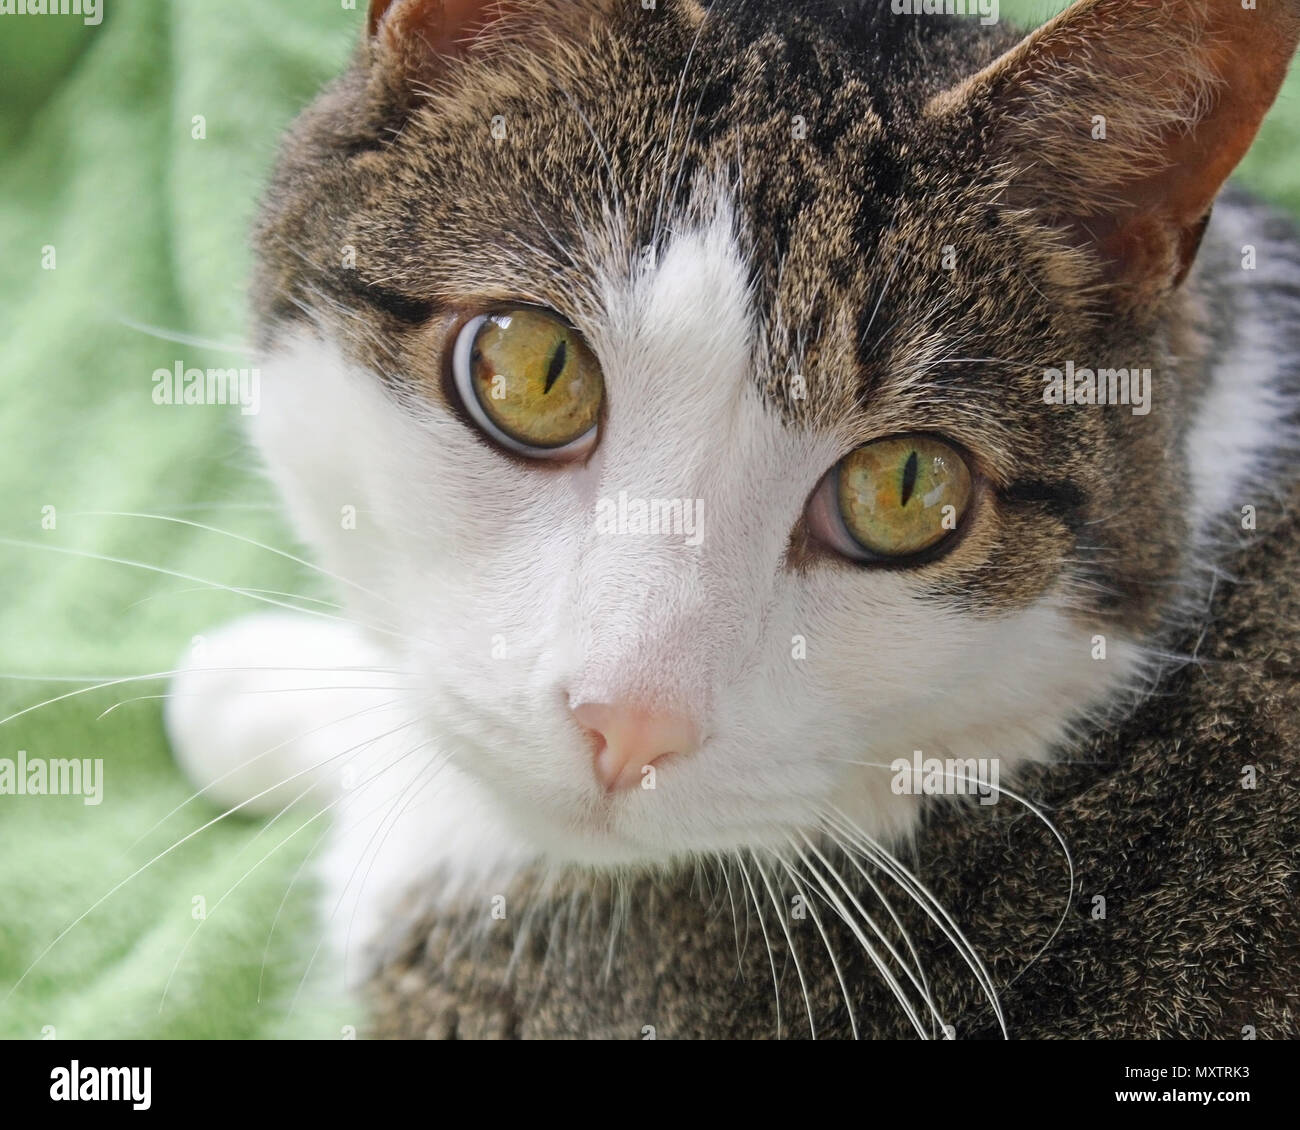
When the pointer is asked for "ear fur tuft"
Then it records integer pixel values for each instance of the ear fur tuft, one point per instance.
(1122, 119)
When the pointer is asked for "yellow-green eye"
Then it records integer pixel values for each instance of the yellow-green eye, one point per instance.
(530, 383)
(895, 498)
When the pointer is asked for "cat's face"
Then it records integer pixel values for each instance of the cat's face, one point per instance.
(794, 314)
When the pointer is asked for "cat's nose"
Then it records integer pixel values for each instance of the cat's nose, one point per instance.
(629, 738)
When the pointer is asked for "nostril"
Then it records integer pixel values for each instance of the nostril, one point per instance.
(593, 716)
(627, 739)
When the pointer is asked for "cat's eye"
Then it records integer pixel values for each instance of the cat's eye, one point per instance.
(530, 383)
(892, 500)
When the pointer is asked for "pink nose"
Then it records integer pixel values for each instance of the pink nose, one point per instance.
(629, 739)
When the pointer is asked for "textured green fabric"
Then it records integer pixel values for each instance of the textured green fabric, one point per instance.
(148, 227)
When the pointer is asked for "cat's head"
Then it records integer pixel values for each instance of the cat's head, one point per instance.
(668, 382)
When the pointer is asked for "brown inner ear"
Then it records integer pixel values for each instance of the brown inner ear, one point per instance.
(377, 10)
(1249, 76)
(1184, 88)
(441, 25)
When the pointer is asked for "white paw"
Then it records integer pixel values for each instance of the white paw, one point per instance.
(277, 707)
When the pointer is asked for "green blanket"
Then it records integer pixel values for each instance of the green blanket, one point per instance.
(133, 152)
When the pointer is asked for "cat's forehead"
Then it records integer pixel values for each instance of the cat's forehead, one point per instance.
(880, 292)
(551, 177)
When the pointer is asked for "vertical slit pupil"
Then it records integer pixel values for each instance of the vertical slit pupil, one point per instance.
(910, 471)
(558, 361)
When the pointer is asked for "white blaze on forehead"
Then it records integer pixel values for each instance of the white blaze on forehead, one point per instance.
(678, 330)
(665, 615)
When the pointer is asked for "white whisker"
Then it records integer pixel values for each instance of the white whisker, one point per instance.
(762, 925)
(933, 908)
(826, 941)
(881, 967)
(789, 940)
(178, 338)
(239, 538)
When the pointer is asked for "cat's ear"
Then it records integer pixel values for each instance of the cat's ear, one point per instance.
(412, 38)
(438, 27)
(410, 44)
(1121, 120)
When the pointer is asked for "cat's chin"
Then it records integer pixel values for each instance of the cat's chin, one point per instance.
(611, 849)
(668, 826)
(606, 837)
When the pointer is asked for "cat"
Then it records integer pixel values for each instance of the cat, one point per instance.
(537, 281)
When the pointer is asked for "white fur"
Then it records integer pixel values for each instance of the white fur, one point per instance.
(264, 709)
(1236, 435)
